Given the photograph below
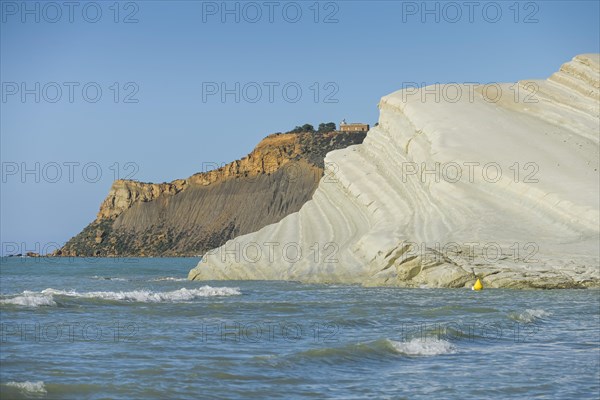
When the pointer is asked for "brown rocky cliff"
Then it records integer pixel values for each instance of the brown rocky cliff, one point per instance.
(124, 193)
(272, 153)
(190, 216)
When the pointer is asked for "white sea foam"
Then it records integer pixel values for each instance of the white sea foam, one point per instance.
(530, 315)
(30, 299)
(29, 387)
(420, 347)
(147, 296)
(169, 278)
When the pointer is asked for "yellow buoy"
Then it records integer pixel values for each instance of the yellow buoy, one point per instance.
(477, 285)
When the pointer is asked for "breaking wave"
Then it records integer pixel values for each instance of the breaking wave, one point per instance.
(30, 299)
(169, 278)
(147, 296)
(420, 347)
(529, 315)
(46, 296)
(375, 351)
(28, 387)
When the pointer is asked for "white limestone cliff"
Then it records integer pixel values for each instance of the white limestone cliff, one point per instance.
(394, 211)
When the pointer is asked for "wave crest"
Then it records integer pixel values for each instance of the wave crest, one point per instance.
(530, 315)
(46, 296)
(372, 351)
(30, 299)
(420, 347)
(147, 296)
(169, 278)
(28, 387)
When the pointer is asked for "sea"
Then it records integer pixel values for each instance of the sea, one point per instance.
(136, 328)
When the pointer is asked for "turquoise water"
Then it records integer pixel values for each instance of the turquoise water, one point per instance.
(136, 329)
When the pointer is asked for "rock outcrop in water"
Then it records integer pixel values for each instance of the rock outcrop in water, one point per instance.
(499, 182)
(189, 216)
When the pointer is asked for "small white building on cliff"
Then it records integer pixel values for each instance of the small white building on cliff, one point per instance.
(353, 127)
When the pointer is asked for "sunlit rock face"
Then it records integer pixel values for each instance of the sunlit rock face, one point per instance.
(498, 182)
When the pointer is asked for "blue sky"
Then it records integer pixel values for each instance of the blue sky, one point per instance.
(163, 123)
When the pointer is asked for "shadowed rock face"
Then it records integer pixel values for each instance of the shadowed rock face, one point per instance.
(189, 216)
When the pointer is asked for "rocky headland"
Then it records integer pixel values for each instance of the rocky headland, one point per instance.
(187, 217)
